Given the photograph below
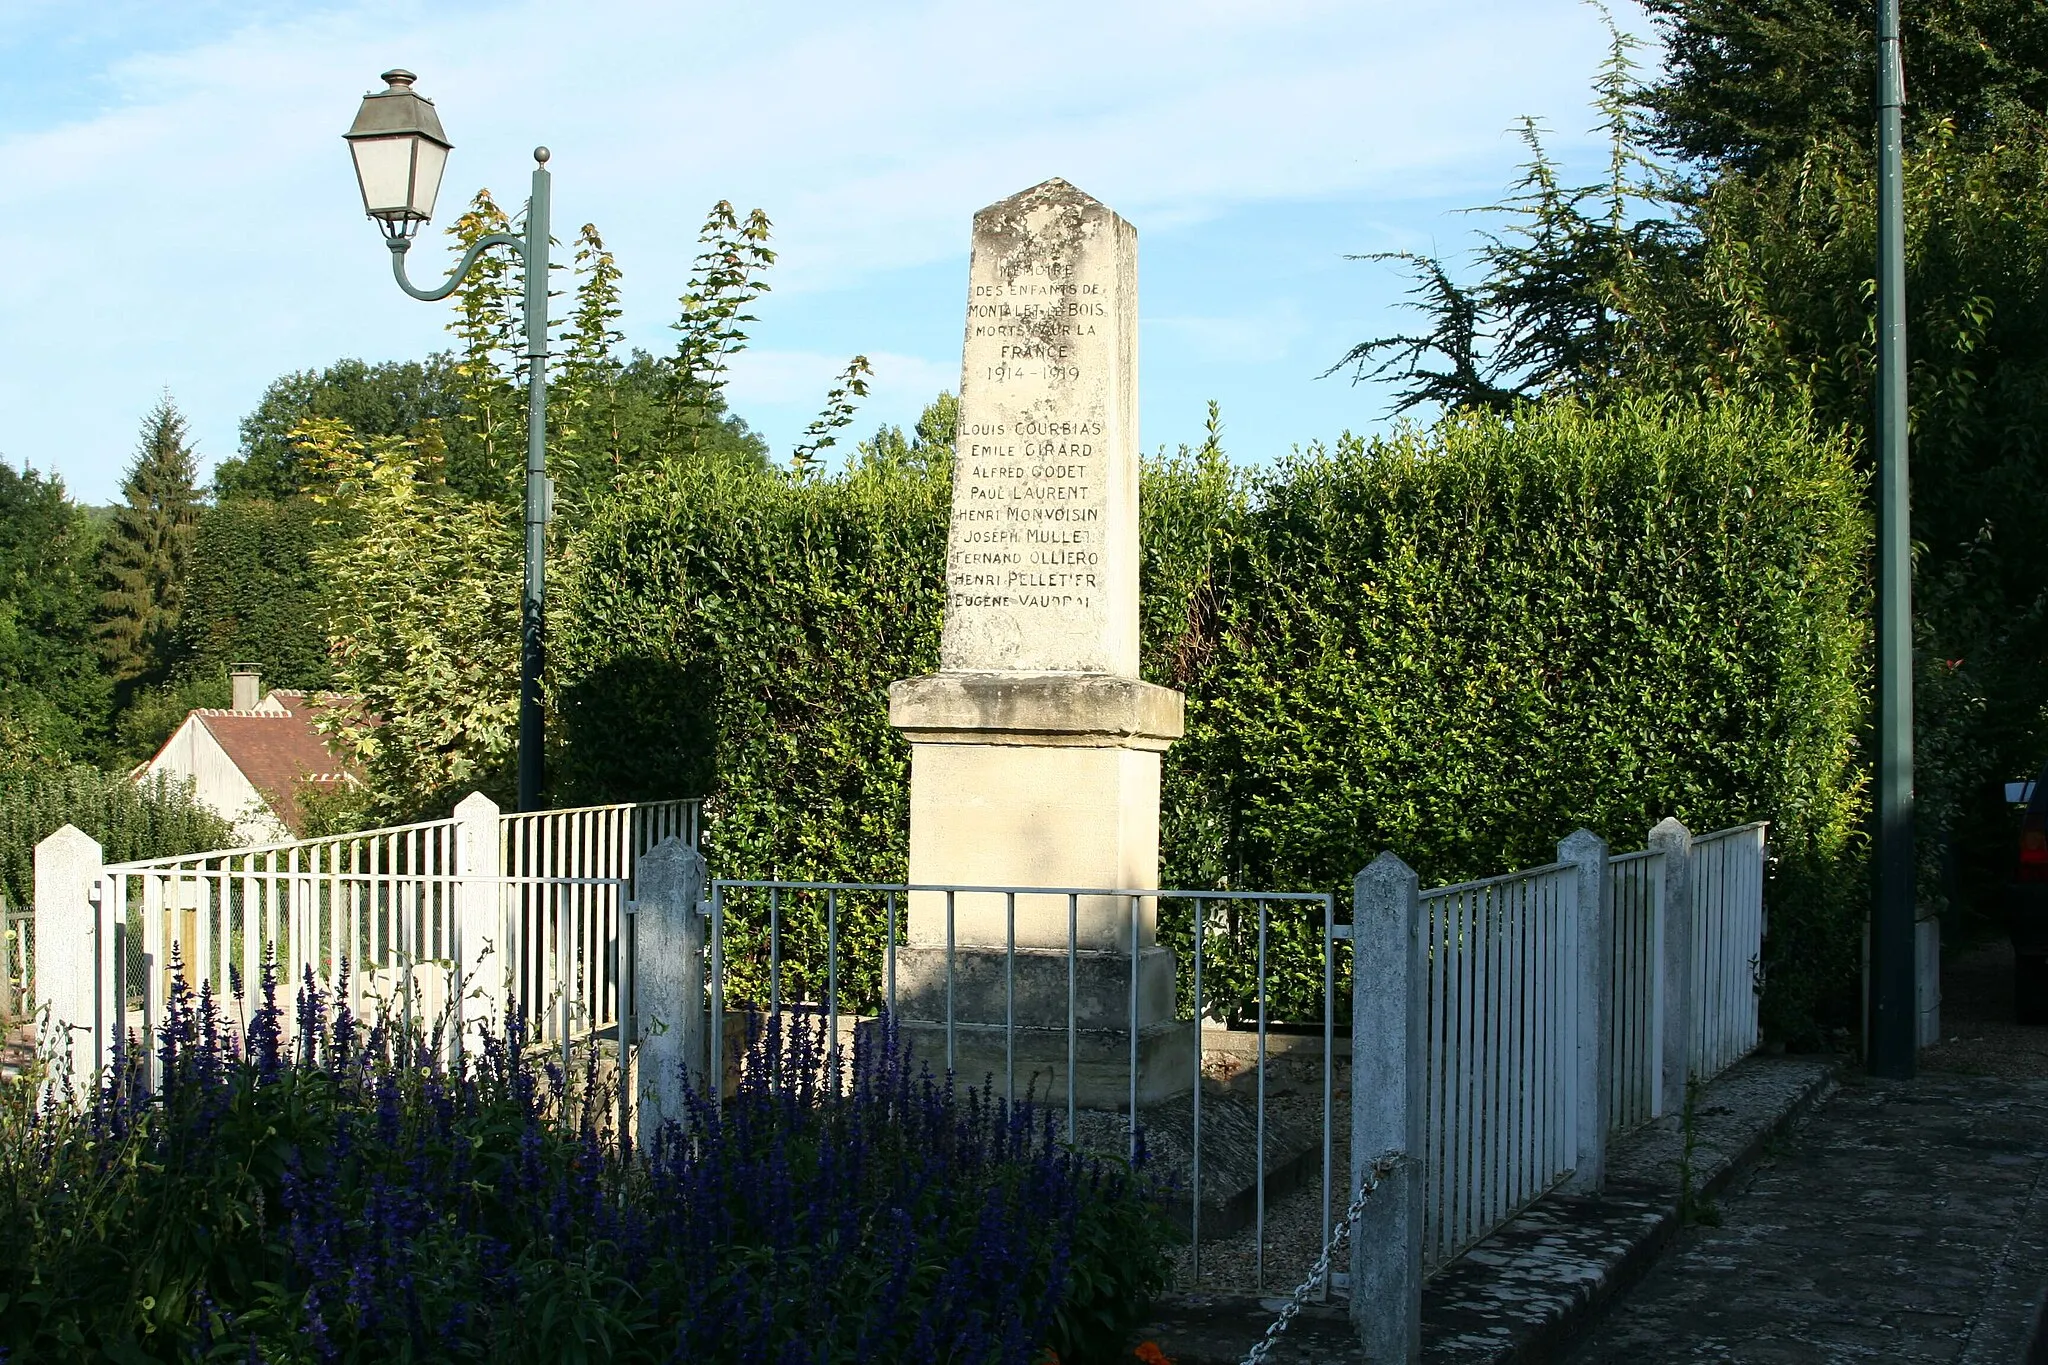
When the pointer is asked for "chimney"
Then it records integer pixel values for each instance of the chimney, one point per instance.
(247, 681)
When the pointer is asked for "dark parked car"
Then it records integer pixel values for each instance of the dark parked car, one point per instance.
(2026, 908)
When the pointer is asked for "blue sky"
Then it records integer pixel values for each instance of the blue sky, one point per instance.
(177, 210)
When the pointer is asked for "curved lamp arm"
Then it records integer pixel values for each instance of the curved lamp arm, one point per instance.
(400, 245)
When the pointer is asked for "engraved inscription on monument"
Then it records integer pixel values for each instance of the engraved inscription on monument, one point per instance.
(1041, 563)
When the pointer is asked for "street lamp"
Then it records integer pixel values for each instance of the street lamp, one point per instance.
(400, 151)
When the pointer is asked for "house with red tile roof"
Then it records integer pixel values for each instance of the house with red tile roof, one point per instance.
(255, 760)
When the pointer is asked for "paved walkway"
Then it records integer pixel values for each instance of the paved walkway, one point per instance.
(1901, 1222)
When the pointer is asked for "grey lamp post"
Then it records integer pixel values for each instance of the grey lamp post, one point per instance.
(400, 151)
(1894, 1004)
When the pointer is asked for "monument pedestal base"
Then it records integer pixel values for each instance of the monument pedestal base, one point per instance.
(1040, 780)
(982, 983)
(1034, 780)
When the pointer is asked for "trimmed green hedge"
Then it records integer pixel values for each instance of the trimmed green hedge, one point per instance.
(1459, 643)
(1462, 643)
(152, 819)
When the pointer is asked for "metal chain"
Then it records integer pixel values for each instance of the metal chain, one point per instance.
(1374, 1178)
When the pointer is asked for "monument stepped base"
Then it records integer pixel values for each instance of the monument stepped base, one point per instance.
(1102, 1057)
(983, 980)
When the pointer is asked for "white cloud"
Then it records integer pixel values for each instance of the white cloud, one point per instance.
(202, 231)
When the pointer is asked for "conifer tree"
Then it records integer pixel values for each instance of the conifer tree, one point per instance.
(142, 561)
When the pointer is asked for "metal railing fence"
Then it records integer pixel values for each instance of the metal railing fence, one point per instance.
(371, 900)
(567, 875)
(1541, 1008)
(858, 931)
(17, 959)
(1520, 1022)
(484, 914)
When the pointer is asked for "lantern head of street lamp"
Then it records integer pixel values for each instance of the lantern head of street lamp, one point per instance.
(399, 151)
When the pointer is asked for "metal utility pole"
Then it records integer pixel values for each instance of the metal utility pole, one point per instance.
(1893, 1020)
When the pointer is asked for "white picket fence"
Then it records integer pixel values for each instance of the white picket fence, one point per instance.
(1728, 927)
(483, 913)
(1635, 1070)
(1506, 1029)
(1503, 1029)
(1501, 1012)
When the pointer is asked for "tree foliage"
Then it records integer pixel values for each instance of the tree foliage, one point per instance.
(1750, 84)
(152, 714)
(53, 694)
(422, 621)
(1750, 270)
(727, 279)
(255, 590)
(394, 398)
(143, 557)
(422, 607)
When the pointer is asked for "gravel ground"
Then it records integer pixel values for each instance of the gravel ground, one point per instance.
(1294, 1233)
(1294, 1221)
(1979, 1036)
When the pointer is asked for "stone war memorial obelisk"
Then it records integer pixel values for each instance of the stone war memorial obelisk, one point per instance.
(1035, 751)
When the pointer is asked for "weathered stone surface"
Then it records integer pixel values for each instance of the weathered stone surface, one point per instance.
(1042, 559)
(480, 919)
(1036, 708)
(1035, 753)
(1230, 1154)
(669, 937)
(983, 981)
(1035, 1062)
(1031, 815)
(74, 960)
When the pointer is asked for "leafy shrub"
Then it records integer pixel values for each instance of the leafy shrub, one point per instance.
(735, 633)
(340, 1195)
(154, 713)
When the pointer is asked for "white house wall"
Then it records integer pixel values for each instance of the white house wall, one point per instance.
(217, 783)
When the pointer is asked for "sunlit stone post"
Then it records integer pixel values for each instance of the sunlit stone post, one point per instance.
(1035, 752)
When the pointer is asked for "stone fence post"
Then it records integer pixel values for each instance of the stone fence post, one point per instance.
(1389, 975)
(75, 979)
(1593, 914)
(1674, 841)
(480, 990)
(669, 931)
